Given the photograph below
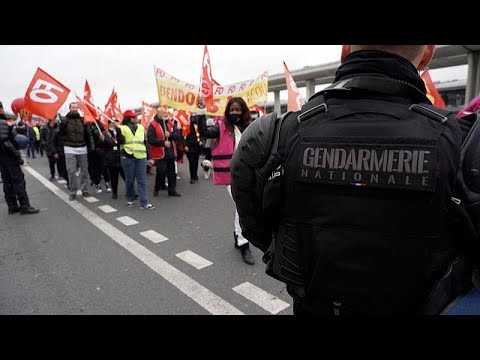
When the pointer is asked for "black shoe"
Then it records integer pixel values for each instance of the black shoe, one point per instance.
(52, 178)
(13, 211)
(247, 255)
(72, 197)
(85, 194)
(155, 193)
(192, 181)
(29, 210)
(235, 239)
(114, 196)
(174, 194)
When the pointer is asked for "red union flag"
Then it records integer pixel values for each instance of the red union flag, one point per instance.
(45, 95)
(112, 109)
(87, 95)
(148, 113)
(110, 104)
(295, 100)
(432, 93)
(88, 118)
(183, 119)
(206, 88)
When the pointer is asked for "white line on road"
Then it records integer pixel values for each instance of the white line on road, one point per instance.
(90, 199)
(127, 220)
(198, 293)
(260, 297)
(193, 259)
(153, 236)
(107, 209)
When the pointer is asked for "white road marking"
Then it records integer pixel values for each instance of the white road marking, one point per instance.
(260, 297)
(107, 209)
(153, 236)
(127, 220)
(193, 259)
(90, 199)
(214, 304)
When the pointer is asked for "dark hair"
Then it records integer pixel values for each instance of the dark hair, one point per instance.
(246, 116)
(127, 120)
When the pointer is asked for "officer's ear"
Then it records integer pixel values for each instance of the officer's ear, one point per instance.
(427, 56)
(346, 50)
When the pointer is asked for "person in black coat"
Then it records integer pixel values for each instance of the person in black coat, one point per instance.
(12, 175)
(193, 147)
(112, 157)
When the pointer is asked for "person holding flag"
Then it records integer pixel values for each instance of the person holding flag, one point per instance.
(162, 139)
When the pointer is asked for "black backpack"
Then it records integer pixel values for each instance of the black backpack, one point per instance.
(464, 207)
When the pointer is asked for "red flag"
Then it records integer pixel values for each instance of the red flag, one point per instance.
(257, 109)
(87, 95)
(295, 99)
(112, 109)
(183, 119)
(88, 117)
(45, 95)
(148, 113)
(432, 93)
(206, 86)
(110, 104)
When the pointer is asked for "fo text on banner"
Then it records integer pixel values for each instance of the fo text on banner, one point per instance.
(182, 95)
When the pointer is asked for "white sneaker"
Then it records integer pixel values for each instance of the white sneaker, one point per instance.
(147, 207)
(130, 204)
(99, 189)
(178, 177)
(107, 185)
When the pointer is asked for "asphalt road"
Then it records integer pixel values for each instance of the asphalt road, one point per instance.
(74, 258)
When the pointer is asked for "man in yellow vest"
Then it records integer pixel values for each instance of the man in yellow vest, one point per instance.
(134, 156)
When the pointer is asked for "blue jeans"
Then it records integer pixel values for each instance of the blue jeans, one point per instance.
(135, 169)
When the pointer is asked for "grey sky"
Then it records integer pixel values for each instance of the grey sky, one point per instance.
(130, 67)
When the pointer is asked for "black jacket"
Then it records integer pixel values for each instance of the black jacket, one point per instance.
(191, 139)
(74, 133)
(356, 246)
(111, 148)
(49, 136)
(154, 141)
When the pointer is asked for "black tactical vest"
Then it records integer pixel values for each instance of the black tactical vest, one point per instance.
(366, 226)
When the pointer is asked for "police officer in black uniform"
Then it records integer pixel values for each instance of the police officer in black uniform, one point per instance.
(363, 179)
(12, 175)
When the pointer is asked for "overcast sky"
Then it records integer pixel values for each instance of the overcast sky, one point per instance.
(129, 68)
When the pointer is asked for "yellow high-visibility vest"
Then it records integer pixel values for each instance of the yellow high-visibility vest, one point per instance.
(134, 144)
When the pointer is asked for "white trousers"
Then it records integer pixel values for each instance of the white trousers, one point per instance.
(238, 230)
